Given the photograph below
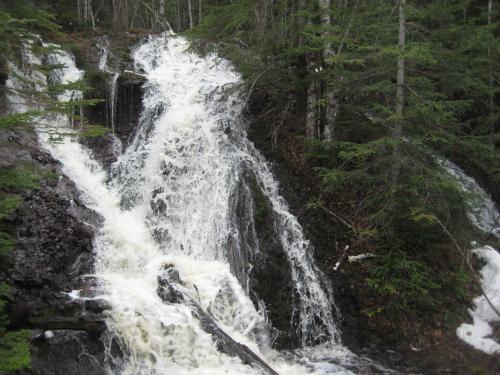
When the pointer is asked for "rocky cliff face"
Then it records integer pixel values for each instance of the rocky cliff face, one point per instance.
(52, 256)
(54, 231)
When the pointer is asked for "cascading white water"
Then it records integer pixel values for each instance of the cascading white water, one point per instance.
(188, 159)
(112, 99)
(484, 214)
(103, 64)
(170, 202)
(177, 177)
(24, 80)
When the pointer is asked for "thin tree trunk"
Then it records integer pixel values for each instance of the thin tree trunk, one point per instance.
(190, 9)
(330, 100)
(90, 13)
(332, 110)
(84, 10)
(310, 91)
(398, 126)
(79, 8)
(162, 9)
(490, 77)
(199, 11)
(115, 13)
(313, 94)
(312, 112)
(178, 16)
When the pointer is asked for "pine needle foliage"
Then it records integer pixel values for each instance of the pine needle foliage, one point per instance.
(451, 108)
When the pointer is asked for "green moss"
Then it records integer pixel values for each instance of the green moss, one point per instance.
(261, 208)
(96, 77)
(14, 350)
(14, 345)
(478, 370)
(19, 178)
(6, 242)
(94, 131)
(8, 205)
(13, 181)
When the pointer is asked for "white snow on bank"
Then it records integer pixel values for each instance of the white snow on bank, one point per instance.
(479, 333)
(484, 214)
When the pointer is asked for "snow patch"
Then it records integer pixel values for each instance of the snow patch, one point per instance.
(479, 334)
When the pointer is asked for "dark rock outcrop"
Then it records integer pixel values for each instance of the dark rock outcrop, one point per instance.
(65, 352)
(271, 272)
(52, 254)
(265, 270)
(128, 107)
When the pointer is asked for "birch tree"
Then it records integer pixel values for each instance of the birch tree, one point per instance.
(190, 10)
(330, 101)
(311, 90)
(85, 13)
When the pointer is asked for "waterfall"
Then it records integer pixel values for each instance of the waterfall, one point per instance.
(112, 99)
(169, 202)
(484, 214)
(103, 65)
(23, 79)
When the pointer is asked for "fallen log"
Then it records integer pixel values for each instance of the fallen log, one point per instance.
(170, 292)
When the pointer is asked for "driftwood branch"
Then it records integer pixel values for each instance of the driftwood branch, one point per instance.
(342, 259)
(319, 204)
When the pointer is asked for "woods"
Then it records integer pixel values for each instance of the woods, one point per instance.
(381, 89)
(360, 102)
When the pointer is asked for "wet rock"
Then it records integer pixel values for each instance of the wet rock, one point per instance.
(86, 322)
(129, 92)
(269, 267)
(54, 232)
(105, 148)
(165, 289)
(97, 305)
(65, 352)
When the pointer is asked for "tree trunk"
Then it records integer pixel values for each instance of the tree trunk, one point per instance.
(330, 100)
(312, 111)
(79, 9)
(90, 13)
(162, 10)
(312, 89)
(178, 8)
(190, 9)
(332, 110)
(398, 126)
(115, 13)
(199, 11)
(490, 77)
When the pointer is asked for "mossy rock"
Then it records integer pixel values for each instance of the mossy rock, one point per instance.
(262, 208)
